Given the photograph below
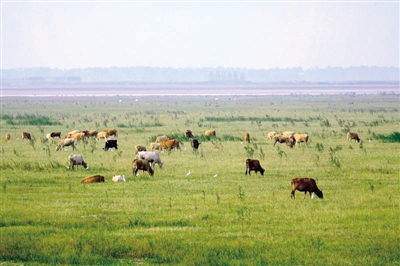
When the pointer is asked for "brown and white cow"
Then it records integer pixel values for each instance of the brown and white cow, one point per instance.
(210, 133)
(188, 133)
(305, 185)
(76, 159)
(66, 142)
(352, 135)
(254, 165)
(144, 165)
(301, 138)
(289, 140)
(93, 179)
(246, 137)
(111, 132)
(271, 134)
(170, 144)
(7, 137)
(52, 135)
(26, 135)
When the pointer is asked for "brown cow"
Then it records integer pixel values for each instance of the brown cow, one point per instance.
(66, 142)
(246, 137)
(301, 138)
(101, 135)
(7, 137)
(69, 134)
(289, 140)
(111, 132)
(139, 148)
(352, 135)
(93, 179)
(210, 133)
(160, 139)
(91, 133)
(26, 135)
(254, 165)
(270, 135)
(287, 133)
(305, 185)
(139, 164)
(78, 136)
(170, 144)
(188, 133)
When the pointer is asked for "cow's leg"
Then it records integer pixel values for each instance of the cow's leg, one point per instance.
(293, 191)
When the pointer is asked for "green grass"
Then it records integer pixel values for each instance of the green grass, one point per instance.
(48, 217)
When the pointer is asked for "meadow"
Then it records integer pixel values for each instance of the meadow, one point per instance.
(49, 217)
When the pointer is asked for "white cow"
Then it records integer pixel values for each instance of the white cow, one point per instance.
(151, 157)
(76, 159)
(118, 178)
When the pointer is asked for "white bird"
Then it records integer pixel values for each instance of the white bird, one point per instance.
(188, 174)
(215, 175)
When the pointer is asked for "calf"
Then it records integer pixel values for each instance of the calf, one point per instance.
(111, 143)
(139, 164)
(76, 159)
(306, 185)
(151, 157)
(26, 135)
(254, 165)
(195, 144)
(93, 179)
(352, 135)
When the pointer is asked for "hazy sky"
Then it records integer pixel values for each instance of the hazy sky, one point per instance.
(61, 34)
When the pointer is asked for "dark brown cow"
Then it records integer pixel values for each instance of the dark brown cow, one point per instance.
(188, 133)
(254, 165)
(26, 135)
(195, 144)
(111, 132)
(55, 135)
(305, 185)
(139, 164)
(246, 137)
(93, 179)
(352, 135)
(170, 144)
(289, 140)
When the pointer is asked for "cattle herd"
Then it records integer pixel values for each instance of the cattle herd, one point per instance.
(147, 160)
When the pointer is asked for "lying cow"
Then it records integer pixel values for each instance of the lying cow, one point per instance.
(195, 144)
(246, 137)
(93, 179)
(289, 140)
(66, 142)
(151, 157)
(26, 135)
(352, 135)
(76, 159)
(118, 178)
(305, 185)
(254, 165)
(301, 138)
(144, 165)
(170, 144)
(111, 143)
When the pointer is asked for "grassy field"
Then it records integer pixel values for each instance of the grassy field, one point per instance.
(49, 217)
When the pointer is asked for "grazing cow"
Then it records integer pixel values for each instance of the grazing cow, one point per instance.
(26, 135)
(101, 135)
(139, 164)
(301, 138)
(195, 144)
(352, 135)
(80, 136)
(246, 137)
(270, 135)
(188, 133)
(111, 132)
(305, 185)
(76, 159)
(66, 142)
(210, 133)
(53, 135)
(7, 137)
(91, 133)
(151, 157)
(254, 165)
(118, 178)
(287, 133)
(160, 139)
(111, 143)
(69, 134)
(170, 144)
(93, 179)
(155, 146)
(289, 140)
(139, 148)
